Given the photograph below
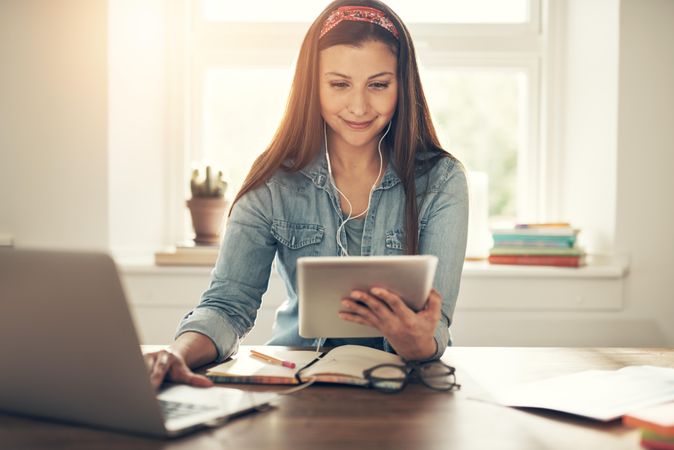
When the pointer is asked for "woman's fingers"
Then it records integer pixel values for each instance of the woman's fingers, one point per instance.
(354, 309)
(366, 309)
(410, 333)
(165, 365)
(377, 306)
(160, 366)
(357, 319)
(433, 305)
(394, 302)
(182, 374)
(149, 360)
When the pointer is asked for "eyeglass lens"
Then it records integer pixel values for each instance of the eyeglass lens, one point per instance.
(437, 375)
(388, 377)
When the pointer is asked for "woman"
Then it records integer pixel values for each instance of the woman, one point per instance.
(355, 168)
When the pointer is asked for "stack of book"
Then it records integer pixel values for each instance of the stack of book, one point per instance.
(656, 424)
(537, 244)
(187, 254)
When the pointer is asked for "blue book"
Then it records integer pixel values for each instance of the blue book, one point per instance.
(523, 240)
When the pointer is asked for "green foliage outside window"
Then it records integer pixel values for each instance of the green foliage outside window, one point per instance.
(478, 118)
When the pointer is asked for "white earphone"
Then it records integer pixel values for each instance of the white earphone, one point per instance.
(342, 248)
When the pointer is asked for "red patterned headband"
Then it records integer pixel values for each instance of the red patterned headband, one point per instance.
(358, 14)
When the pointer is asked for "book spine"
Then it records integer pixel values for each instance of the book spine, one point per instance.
(336, 379)
(536, 260)
(651, 439)
(251, 380)
(180, 259)
(552, 241)
(544, 225)
(656, 445)
(532, 244)
(542, 251)
(662, 430)
(536, 231)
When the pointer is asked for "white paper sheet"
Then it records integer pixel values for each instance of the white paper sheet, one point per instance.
(599, 394)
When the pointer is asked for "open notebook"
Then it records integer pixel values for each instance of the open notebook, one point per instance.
(343, 365)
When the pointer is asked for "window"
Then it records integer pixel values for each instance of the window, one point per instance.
(478, 114)
(481, 64)
(241, 110)
(424, 11)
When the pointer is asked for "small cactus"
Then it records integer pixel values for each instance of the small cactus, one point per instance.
(209, 187)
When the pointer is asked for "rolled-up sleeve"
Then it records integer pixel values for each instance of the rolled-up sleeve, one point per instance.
(444, 232)
(229, 306)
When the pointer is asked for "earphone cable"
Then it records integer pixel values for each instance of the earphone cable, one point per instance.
(343, 250)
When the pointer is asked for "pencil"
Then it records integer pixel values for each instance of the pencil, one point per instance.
(272, 360)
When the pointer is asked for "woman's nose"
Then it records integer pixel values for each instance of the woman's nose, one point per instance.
(357, 103)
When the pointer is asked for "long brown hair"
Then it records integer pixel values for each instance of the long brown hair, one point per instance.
(299, 137)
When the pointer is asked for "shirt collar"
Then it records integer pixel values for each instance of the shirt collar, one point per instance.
(317, 171)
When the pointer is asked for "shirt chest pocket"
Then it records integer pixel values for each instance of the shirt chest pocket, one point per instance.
(301, 239)
(394, 242)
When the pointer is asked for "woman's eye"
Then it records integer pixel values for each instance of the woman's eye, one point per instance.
(339, 84)
(379, 85)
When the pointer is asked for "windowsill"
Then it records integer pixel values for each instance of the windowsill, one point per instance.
(612, 267)
(146, 266)
(606, 267)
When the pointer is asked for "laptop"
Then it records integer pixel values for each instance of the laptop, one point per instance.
(324, 280)
(70, 352)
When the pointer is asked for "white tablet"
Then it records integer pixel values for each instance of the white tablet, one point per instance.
(324, 281)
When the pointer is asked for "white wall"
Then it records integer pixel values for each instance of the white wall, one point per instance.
(53, 123)
(589, 120)
(138, 128)
(645, 209)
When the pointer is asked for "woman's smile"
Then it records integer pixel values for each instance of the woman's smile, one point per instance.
(358, 125)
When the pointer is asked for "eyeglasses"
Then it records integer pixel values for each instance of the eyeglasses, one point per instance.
(394, 377)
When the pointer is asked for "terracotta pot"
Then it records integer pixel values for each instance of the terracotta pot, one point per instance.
(207, 218)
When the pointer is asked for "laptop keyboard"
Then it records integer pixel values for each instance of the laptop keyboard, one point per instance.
(177, 410)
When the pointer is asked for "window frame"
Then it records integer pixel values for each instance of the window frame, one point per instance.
(533, 47)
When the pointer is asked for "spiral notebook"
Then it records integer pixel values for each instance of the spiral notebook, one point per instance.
(341, 365)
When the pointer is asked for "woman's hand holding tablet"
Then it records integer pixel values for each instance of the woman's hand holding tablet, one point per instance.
(409, 332)
(388, 296)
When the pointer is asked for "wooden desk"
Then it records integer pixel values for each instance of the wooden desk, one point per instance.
(340, 417)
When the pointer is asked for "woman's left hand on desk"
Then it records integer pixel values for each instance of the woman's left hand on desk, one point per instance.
(409, 332)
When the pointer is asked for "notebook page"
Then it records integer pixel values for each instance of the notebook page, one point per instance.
(244, 365)
(351, 360)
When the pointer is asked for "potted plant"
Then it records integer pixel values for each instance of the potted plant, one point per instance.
(207, 206)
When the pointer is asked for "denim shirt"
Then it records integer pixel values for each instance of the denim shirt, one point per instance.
(297, 214)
